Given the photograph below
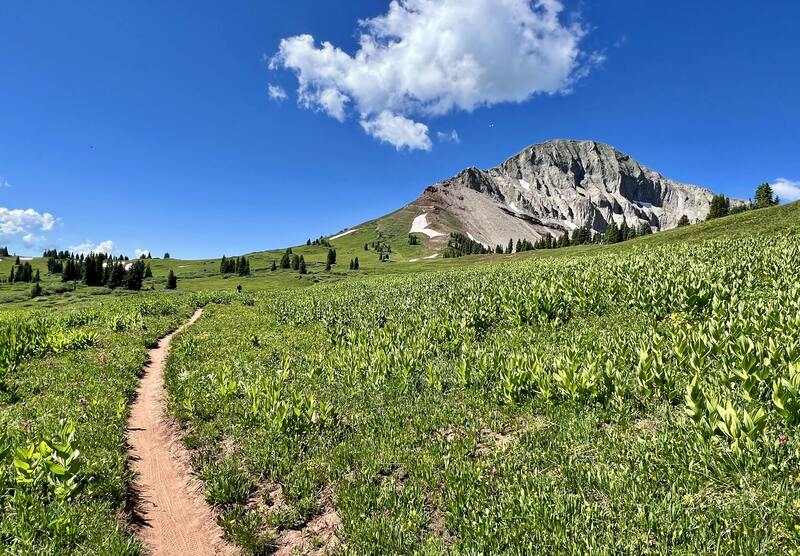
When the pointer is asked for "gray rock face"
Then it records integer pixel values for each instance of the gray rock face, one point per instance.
(557, 186)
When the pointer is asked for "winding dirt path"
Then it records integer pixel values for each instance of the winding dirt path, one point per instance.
(174, 518)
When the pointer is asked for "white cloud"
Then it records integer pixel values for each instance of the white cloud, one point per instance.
(398, 130)
(787, 190)
(451, 137)
(32, 240)
(4, 183)
(140, 252)
(19, 221)
(90, 247)
(425, 58)
(276, 92)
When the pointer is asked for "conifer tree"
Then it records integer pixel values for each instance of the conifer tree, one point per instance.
(295, 262)
(510, 248)
(356, 264)
(16, 262)
(274, 266)
(172, 281)
(764, 196)
(166, 255)
(117, 277)
(148, 273)
(11, 276)
(302, 266)
(135, 276)
(285, 262)
(720, 206)
(366, 247)
(36, 289)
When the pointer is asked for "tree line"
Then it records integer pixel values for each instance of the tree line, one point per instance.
(764, 197)
(237, 265)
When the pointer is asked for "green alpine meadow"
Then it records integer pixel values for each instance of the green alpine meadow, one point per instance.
(641, 397)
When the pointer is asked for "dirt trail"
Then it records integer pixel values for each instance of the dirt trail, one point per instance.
(175, 518)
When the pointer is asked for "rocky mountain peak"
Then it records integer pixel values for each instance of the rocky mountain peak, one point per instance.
(560, 185)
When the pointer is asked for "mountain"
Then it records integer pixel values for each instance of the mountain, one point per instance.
(550, 188)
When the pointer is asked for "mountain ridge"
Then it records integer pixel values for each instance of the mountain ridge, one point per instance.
(554, 187)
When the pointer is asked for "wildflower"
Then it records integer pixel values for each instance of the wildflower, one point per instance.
(83, 401)
(25, 424)
(782, 439)
(494, 471)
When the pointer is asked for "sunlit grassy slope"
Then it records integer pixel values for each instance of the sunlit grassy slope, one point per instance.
(204, 274)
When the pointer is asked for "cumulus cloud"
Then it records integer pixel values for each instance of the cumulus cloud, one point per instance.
(398, 131)
(24, 221)
(32, 240)
(276, 92)
(787, 190)
(425, 58)
(451, 137)
(90, 247)
(140, 252)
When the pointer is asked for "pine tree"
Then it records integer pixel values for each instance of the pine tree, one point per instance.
(302, 266)
(135, 276)
(166, 255)
(366, 247)
(172, 281)
(36, 289)
(223, 265)
(36, 277)
(285, 262)
(16, 262)
(612, 234)
(148, 273)
(117, 277)
(764, 196)
(356, 264)
(295, 262)
(499, 249)
(720, 206)
(11, 276)
(4, 252)
(274, 266)
(683, 221)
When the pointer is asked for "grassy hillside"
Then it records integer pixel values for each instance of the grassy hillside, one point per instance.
(640, 398)
(196, 275)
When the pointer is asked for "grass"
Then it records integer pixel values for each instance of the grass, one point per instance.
(636, 398)
(65, 384)
(623, 400)
(200, 275)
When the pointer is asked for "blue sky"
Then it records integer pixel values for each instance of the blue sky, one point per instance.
(150, 125)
